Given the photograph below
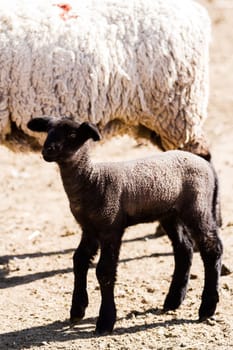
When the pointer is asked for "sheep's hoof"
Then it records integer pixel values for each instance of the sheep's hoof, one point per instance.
(208, 307)
(77, 315)
(172, 303)
(202, 319)
(75, 320)
(205, 313)
(104, 328)
(103, 331)
(205, 318)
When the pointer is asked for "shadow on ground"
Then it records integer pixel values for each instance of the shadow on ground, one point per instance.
(61, 331)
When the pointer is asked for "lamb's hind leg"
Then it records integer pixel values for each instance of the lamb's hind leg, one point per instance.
(211, 249)
(183, 253)
(82, 257)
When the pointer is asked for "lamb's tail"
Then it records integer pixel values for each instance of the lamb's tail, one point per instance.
(216, 204)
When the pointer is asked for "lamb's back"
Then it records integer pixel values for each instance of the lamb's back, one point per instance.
(161, 182)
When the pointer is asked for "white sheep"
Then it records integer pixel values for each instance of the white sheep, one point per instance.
(138, 67)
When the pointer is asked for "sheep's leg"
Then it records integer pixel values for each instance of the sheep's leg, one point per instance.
(106, 274)
(82, 257)
(183, 253)
(211, 249)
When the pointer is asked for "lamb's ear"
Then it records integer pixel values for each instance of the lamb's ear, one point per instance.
(89, 130)
(41, 124)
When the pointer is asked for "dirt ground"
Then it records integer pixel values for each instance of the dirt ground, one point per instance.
(38, 237)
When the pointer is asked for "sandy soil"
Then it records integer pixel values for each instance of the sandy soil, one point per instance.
(38, 237)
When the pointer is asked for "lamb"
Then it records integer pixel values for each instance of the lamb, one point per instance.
(177, 188)
(137, 67)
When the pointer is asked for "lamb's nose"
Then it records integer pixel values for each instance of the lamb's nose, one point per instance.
(52, 147)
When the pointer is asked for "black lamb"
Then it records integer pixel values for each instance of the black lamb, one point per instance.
(175, 187)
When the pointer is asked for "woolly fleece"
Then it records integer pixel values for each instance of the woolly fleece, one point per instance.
(140, 62)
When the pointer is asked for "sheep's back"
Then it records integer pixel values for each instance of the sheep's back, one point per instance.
(167, 182)
(136, 61)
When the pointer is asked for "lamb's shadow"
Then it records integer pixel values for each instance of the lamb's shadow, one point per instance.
(142, 238)
(60, 331)
(146, 327)
(6, 258)
(8, 282)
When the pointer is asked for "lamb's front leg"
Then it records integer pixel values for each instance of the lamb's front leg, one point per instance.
(106, 274)
(81, 260)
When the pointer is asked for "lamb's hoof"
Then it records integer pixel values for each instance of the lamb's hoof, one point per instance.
(77, 315)
(104, 328)
(205, 314)
(202, 319)
(75, 320)
(166, 310)
(207, 309)
(103, 331)
(171, 304)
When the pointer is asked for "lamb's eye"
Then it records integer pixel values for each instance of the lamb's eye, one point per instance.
(72, 135)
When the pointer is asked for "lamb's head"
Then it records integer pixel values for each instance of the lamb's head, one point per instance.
(64, 137)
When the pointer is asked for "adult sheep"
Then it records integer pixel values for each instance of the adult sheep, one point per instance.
(138, 67)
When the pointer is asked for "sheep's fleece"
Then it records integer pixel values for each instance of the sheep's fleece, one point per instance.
(140, 62)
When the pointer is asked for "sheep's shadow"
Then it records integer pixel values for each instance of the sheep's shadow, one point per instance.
(8, 282)
(61, 331)
(6, 258)
(148, 326)
(141, 238)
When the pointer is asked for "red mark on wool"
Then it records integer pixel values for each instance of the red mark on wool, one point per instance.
(66, 8)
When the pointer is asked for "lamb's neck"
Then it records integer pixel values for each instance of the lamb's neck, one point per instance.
(78, 174)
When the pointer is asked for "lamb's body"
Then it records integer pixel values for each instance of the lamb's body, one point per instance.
(138, 191)
(126, 66)
(178, 188)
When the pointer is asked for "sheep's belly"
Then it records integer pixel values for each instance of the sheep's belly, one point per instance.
(136, 215)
